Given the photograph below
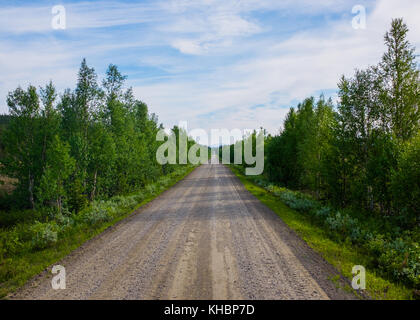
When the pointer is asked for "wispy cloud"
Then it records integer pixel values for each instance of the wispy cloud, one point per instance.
(214, 63)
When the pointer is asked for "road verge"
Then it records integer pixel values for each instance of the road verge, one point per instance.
(26, 260)
(343, 256)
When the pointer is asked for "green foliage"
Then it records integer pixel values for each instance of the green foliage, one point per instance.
(397, 257)
(9, 243)
(242, 151)
(59, 166)
(335, 247)
(41, 237)
(4, 121)
(400, 82)
(365, 153)
(405, 181)
(44, 234)
(79, 161)
(297, 201)
(94, 142)
(100, 212)
(343, 224)
(402, 260)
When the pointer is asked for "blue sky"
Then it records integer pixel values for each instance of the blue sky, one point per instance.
(214, 63)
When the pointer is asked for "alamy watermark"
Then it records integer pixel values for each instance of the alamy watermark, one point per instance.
(58, 21)
(359, 279)
(359, 20)
(58, 282)
(245, 146)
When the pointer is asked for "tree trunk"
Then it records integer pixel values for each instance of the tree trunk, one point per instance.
(31, 191)
(59, 204)
(92, 194)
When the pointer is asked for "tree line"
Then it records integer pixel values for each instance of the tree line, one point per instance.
(4, 121)
(92, 142)
(365, 151)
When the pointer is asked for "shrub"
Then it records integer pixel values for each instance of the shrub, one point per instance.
(43, 234)
(270, 188)
(287, 197)
(13, 217)
(100, 212)
(123, 202)
(399, 258)
(151, 188)
(9, 242)
(303, 204)
(297, 202)
(402, 261)
(164, 182)
(139, 197)
(260, 182)
(376, 244)
(342, 223)
(405, 182)
(64, 222)
(323, 212)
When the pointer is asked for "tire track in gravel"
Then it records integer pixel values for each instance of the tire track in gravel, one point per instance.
(205, 238)
(293, 281)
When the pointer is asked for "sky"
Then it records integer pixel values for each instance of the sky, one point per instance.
(213, 63)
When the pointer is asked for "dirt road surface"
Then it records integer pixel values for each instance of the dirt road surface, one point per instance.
(205, 238)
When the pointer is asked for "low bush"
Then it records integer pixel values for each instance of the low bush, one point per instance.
(322, 213)
(10, 243)
(151, 189)
(396, 256)
(99, 212)
(401, 259)
(13, 217)
(44, 234)
(342, 223)
(297, 201)
(124, 202)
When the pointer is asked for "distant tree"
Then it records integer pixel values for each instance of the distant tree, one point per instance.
(282, 154)
(59, 167)
(400, 82)
(50, 123)
(23, 149)
(359, 113)
(316, 146)
(113, 83)
(350, 155)
(93, 142)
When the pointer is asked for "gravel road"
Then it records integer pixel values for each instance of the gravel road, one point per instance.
(205, 238)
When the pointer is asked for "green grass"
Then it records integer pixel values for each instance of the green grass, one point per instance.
(343, 256)
(16, 270)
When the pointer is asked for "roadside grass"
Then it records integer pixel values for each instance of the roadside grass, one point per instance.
(342, 255)
(16, 269)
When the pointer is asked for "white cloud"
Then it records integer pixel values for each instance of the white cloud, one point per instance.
(82, 15)
(188, 46)
(300, 66)
(242, 63)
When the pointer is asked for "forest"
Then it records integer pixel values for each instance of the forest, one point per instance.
(72, 164)
(354, 166)
(93, 142)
